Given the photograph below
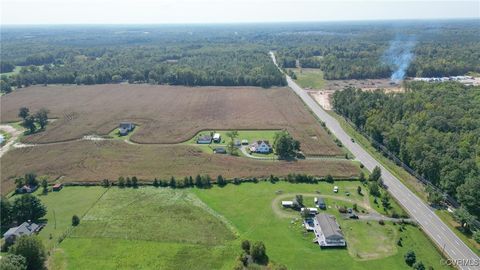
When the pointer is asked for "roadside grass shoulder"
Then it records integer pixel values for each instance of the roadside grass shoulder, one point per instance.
(397, 171)
(455, 226)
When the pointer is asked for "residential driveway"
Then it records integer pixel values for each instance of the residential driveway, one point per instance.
(433, 226)
(244, 151)
(277, 206)
(15, 133)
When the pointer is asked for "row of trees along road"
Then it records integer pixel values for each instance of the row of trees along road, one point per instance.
(432, 128)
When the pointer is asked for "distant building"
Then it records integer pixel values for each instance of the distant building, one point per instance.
(219, 150)
(204, 139)
(217, 137)
(125, 127)
(261, 146)
(327, 231)
(57, 187)
(26, 228)
(287, 203)
(26, 189)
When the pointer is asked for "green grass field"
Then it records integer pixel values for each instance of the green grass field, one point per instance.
(288, 244)
(161, 228)
(61, 206)
(163, 215)
(309, 78)
(148, 228)
(16, 70)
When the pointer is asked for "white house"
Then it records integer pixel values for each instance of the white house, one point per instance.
(327, 231)
(26, 228)
(287, 203)
(217, 137)
(261, 146)
(125, 127)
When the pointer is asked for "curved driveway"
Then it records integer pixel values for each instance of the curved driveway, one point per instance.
(441, 234)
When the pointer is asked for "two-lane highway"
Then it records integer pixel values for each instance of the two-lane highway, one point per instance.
(419, 210)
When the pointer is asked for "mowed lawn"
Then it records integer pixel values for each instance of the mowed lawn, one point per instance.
(249, 208)
(164, 215)
(92, 161)
(61, 206)
(149, 228)
(162, 228)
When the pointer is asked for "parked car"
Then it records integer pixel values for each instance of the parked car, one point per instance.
(335, 189)
(353, 216)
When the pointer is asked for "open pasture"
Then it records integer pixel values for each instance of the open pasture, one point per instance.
(167, 114)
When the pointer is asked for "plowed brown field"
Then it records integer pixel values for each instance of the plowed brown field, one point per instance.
(167, 114)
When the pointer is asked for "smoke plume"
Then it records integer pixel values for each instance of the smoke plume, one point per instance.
(399, 55)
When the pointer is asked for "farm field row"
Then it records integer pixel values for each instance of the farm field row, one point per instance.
(167, 114)
(92, 161)
(168, 228)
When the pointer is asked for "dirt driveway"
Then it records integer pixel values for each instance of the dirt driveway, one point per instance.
(15, 133)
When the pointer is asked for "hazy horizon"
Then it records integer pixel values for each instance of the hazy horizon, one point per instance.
(127, 12)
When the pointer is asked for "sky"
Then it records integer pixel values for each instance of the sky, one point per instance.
(226, 11)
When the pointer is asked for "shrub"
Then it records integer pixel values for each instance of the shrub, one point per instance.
(246, 246)
(419, 266)
(329, 179)
(32, 249)
(476, 236)
(381, 222)
(410, 257)
(13, 262)
(75, 220)
(105, 183)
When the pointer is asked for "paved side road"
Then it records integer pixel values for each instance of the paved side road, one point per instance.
(419, 210)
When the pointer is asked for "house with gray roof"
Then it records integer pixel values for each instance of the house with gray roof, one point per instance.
(26, 228)
(327, 231)
(125, 127)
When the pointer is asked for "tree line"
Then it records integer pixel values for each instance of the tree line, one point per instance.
(432, 128)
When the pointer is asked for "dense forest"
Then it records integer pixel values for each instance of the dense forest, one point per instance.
(371, 51)
(433, 128)
(233, 55)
